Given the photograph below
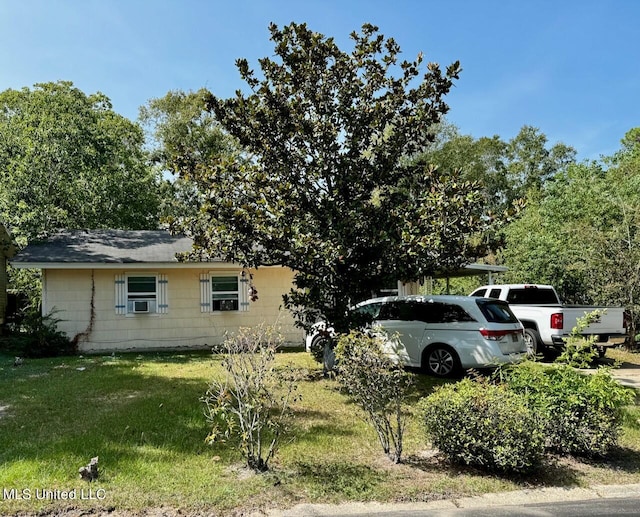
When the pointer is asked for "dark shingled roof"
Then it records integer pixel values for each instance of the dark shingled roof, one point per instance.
(106, 246)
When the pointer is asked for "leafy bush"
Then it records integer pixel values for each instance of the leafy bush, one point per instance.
(579, 350)
(252, 403)
(376, 384)
(485, 425)
(38, 336)
(583, 414)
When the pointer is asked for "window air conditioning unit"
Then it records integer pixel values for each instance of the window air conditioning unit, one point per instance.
(140, 306)
(227, 305)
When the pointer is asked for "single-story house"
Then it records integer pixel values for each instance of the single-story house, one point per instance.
(126, 290)
(7, 250)
(121, 290)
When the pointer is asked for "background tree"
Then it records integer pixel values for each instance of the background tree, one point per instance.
(554, 240)
(509, 171)
(182, 136)
(325, 187)
(67, 160)
(581, 233)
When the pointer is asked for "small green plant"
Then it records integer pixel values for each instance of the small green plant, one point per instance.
(582, 414)
(252, 402)
(376, 384)
(579, 350)
(37, 335)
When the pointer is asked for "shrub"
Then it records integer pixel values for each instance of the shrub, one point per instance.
(252, 403)
(37, 335)
(485, 425)
(376, 384)
(583, 414)
(579, 350)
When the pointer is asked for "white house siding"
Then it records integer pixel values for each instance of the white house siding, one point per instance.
(184, 325)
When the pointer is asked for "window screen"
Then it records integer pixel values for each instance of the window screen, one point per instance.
(224, 293)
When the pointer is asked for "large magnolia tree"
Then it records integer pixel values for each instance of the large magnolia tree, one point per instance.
(324, 183)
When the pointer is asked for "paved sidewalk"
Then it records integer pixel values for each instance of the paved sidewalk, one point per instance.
(515, 498)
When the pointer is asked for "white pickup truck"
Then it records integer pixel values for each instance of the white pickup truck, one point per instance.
(547, 322)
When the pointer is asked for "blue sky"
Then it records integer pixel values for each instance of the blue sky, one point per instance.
(568, 67)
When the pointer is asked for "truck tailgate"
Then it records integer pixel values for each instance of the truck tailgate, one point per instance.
(611, 320)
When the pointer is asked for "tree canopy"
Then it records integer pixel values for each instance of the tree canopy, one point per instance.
(183, 136)
(580, 233)
(323, 183)
(67, 160)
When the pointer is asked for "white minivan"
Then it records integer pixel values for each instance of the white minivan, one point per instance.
(443, 334)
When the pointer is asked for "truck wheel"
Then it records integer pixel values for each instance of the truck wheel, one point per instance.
(532, 340)
(440, 361)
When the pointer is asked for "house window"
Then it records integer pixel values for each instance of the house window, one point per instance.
(225, 293)
(141, 294)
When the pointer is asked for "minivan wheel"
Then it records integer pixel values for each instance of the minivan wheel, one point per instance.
(441, 361)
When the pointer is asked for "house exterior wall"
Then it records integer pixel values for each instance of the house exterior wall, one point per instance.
(68, 293)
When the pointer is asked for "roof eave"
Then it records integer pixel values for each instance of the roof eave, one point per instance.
(119, 265)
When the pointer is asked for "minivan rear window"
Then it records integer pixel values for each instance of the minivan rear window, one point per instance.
(496, 311)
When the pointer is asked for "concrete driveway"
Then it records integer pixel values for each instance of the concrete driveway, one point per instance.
(628, 373)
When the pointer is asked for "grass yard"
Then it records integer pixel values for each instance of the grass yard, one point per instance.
(142, 416)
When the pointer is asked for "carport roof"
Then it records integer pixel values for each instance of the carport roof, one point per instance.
(473, 270)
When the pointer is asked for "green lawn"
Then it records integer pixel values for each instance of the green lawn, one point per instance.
(142, 416)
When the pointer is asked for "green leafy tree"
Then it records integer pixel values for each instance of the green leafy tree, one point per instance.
(510, 172)
(581, 233)
(555, 240)
(530, 163)
(183, 137)
(324, 185)
(67, 160)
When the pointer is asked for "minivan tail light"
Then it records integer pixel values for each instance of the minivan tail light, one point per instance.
(557, 321)
(496, 335)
